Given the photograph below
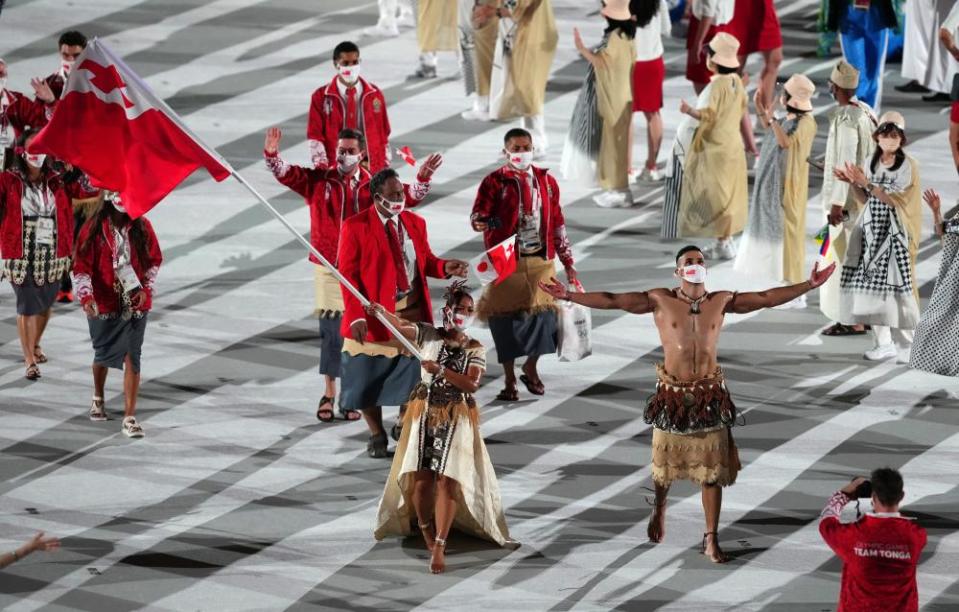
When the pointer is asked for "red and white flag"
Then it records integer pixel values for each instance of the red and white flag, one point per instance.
(407, 156)
(496, 264)
(111, 125)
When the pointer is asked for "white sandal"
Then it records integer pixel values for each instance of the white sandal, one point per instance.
(98, 410)
(131, 428)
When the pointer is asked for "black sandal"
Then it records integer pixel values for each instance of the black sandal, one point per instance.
(351, 415)
(723, 558)
(39, 355)
(33, 372)
(325, 415)
(534, 388)
(839, 329)
(507, 395)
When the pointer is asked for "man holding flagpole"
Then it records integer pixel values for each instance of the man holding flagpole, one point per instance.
(334, 195)
(520, 203)
(385, 253)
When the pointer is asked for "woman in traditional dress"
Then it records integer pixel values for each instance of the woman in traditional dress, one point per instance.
(597, 143)
(525, 46)
(878, 278)
(714, 191)
(936, 347)
(772, 248)
(115, 267)
(36, 239)
(441, 472)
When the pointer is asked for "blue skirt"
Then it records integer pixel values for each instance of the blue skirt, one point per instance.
(114, 339)
(369, 382)
(524, 335)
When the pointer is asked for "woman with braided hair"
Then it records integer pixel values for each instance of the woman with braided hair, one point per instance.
(441, 471)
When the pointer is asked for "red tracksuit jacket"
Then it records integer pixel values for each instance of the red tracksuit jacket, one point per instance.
(11, 214)
(325, 192)
(366, 261)
(879, 556)
(500, 195)
(328, 117)
(93, 274)
(23, 112)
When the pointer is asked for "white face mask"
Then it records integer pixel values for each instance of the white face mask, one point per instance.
(462, 322)
(346, 162)
(889, 145)
(520, 161)
(695, 274)
(35, 160)
(66, 66)
(395, 207)
(118, 206)
(349, 74)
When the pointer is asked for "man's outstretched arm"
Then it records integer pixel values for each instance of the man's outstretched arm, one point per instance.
(636, 302)
(748, 302)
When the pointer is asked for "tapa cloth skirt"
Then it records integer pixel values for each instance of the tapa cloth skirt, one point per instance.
(702, 457)
(479, 509)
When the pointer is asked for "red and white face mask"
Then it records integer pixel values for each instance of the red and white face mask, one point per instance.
(66, 66)
(520, 161)
(349, 74)
(695, 274)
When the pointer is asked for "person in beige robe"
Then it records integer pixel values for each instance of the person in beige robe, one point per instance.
(526, 44)
(714, 194)
(437, 29)
(485, 30)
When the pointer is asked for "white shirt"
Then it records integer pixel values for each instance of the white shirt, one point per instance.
(37, 201)
(649, 38)
(406, 245)
(342, 88)
(720, 10)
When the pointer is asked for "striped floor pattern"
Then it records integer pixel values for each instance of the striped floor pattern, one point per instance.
(239, 500)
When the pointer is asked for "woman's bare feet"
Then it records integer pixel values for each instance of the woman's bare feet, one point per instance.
(438, 558)
(656, 530)
(711, 548)
(428, 535)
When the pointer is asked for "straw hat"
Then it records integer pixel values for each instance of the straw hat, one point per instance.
(617, 9)
(800, 90)
(845, 76)
(725, 46)
(894, 118)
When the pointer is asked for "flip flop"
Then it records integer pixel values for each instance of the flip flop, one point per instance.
(39, 355)
(325, 415)
(507, 395)
(534, 388)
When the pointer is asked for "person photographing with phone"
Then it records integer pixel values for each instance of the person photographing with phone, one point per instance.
(880, 550)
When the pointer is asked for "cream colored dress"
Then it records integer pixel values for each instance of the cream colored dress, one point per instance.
(441, 434)
(714, 192)
(795, 198)
(531, 37)
(437, 28)
(614, 101)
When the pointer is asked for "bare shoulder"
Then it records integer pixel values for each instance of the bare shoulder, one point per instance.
(659, 293)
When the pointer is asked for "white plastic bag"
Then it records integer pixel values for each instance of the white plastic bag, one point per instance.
(575, 329)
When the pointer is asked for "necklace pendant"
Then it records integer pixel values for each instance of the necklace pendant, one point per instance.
(694, 308)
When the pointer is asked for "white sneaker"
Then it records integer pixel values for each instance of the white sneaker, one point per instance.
(650, 175)
(882, 352)
(425, 72)
(405, 18)
(795, 304)
(726, 249)
(480, 110)
(131, 428)
(613, 199)
(98, 411)
(382, 30)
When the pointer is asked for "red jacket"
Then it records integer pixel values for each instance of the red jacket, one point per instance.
(366, 261)
(325, 191)
(879, 558)
(11, 215)
(499, 196)
(93, 274)
(22, 113)
(327, 118)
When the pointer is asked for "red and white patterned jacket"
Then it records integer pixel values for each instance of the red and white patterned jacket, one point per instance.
(327, 118)
(94, 278)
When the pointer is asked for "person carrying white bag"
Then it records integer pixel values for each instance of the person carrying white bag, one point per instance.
(575, 329)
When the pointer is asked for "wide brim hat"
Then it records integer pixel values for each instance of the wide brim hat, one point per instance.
(801, 91)
(894, 118)
(725, 48)
(617, 9)
(845, 75)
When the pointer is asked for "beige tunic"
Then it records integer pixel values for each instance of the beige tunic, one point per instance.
(715, 193)
(484, 39)
(534, 44)
(795, 198)
(437, 28)
(614, 101)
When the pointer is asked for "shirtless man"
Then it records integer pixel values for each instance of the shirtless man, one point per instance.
(691, 410)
